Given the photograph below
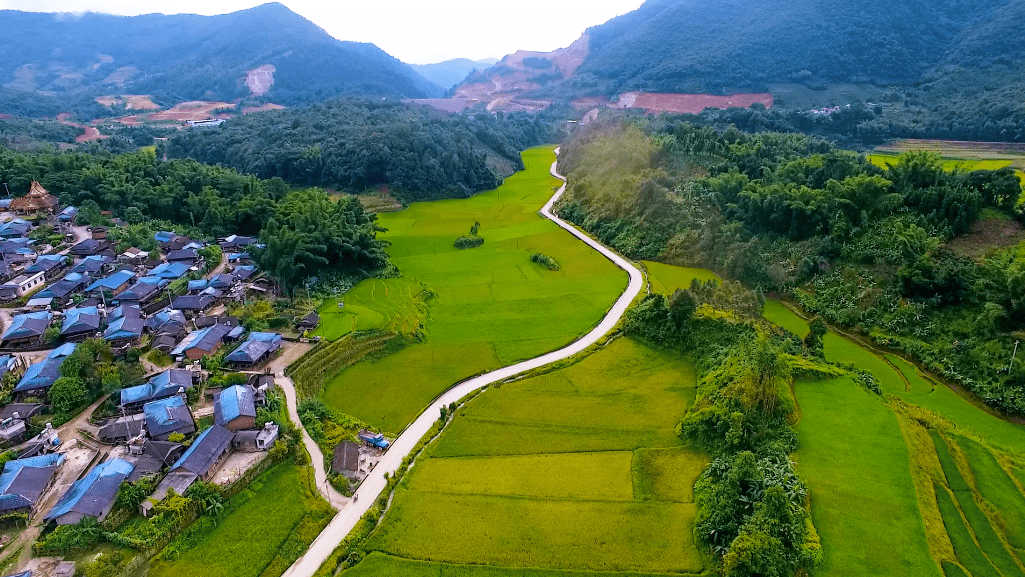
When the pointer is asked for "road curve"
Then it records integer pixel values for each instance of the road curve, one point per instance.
(375, 483)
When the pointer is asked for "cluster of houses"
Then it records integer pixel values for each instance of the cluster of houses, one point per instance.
(155, 422)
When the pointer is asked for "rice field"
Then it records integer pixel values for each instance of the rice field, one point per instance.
(577, 470)
(378, 564)
(863, 501)
(666, 278)
(492, 307)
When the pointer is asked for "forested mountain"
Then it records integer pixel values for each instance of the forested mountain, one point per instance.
(451, 72)
(355, 144)
(184, 57)
(737, 45)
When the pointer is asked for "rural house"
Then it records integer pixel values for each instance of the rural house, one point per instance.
(51, 265)
(81, 323)
(39, 377)
(194, 304)
(24, 481)
(346, 459)
(21, 285)
(68, 215)
(256, 349)
(123, 429)
(93, 496)
(92, 265)
(144, 291)
(198, 344)
(168, 416)
(253, 441)
(91, 247)
(15, 228)
(168, 383)
(111, 285)
(26, 330)
(235, 408)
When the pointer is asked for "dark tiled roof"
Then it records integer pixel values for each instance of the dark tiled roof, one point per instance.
(192, 303)
(205, 450)
(346, 457)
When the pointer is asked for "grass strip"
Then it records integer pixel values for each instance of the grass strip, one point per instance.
(968, 552)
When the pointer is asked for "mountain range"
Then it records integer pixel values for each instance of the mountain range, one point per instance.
(267, 51)
(451, 72)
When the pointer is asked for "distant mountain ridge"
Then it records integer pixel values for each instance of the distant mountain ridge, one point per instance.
(451, 72)
(190, 57)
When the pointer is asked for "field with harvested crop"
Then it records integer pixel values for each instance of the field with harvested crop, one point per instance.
(490, 306)
(611, 490)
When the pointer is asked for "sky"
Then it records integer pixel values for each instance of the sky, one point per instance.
(414, 31)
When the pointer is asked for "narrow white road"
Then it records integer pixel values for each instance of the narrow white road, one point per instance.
(375, 483)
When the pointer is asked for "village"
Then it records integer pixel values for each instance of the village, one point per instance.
(209, 408)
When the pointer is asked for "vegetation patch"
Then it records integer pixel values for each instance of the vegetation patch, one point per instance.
(545, 261)
(377, 564)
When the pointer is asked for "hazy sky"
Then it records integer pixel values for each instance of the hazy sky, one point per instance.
(415, 31)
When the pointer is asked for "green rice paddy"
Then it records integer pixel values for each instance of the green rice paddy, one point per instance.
(574, 470)
(493, 306)
(997, 487)
(378, 564)
(857, 467)
(666, 278)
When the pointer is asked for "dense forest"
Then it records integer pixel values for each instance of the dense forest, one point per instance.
(189, 57)
(306, 233)
(864, 247)
(356, 144)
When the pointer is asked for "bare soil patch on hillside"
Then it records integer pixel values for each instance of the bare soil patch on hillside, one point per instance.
(90, 132)
(689, 103)
(259, 80)
(987, 235)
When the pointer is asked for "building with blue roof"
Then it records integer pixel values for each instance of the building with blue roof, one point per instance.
(23, 481)
(124, 331)
(170, 270)
(14, 228)
(198, 344)
(50, 265)
(112, 284)
(206, 453)
(164, 236)
(26, 329)
(197, 285)
(81, 323)
(92, 265)
(166, 417)
(40, 376)
(235, 408)
(163, 385)
(69, 214)
(144, 291)
(92, 496)
(256, 349)
(243, 272)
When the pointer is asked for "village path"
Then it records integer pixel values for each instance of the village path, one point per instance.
(292, 353)
(375, 483)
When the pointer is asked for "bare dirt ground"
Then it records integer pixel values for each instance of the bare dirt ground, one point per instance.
(131, 101)
(90, 132)
(259, 80)
(236, 465)
(986, 236)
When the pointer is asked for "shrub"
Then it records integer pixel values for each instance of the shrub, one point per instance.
(466, 241)
(544, 260)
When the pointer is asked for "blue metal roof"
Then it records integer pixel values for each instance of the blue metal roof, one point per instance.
(124, 328)
(12, 468)
(167, 415)
(95, 492)
(197, 285)
(68, 213)
(257, 345)
(170, 270)
(163, 236)
(81, 319)
(163, 385)
(43, 374)
(113, 281)
(205, 450)
(91, 264)
(28, 325)
(142, 288)
(234, 402)
(205, 340)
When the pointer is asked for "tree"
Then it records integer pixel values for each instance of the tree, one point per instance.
(817, 329)
(68, 393)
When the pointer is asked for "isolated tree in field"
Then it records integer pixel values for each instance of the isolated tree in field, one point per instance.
(813, 340)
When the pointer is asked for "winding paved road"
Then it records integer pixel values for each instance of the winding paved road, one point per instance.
(375, 483)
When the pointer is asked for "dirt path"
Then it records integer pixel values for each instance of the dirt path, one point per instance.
(375, 483)
(91, 133)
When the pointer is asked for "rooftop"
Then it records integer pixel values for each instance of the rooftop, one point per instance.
(93, 494)
(234, 402)
(205, 450)
(205, 340)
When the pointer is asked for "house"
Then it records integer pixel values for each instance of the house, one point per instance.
(168, 416)
(27, 329)
(253, 441)
(47, 441)
(98, 232)
(72, 283)
(187, 256)
(193, 304)
(346, 459)
(51, 265)
(242, 273)
(17, 245)
(92, 265)
(134, 256)
(111, 285)
(170, 270)
(124, 331)
(38, 200)
(10, 363)
(27, 479)
(205, 321)
(15, 228)
(14, 421)
(81, 323)
(235, 408)
(93, 496)
(240, 258)
(21, 285)
(221, 281)
(123, 429)
(256, 349)
(39, 377)
(68, 215)
(90, 247)
(309, 322)
(166, 384)
(206, 453)
(38, 303)
(168, 321)
(234, 243)
(144, 291)
(198, 344)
